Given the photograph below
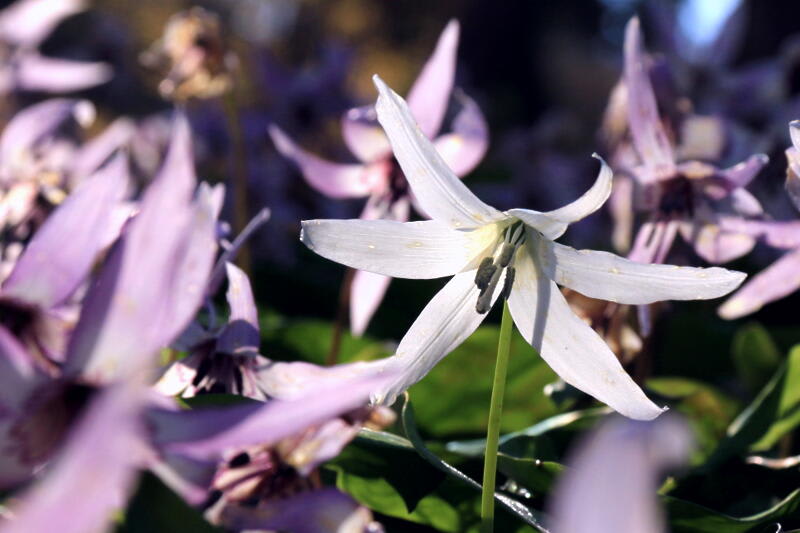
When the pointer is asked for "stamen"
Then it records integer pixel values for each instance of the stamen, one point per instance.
(484, 274)
(508, 283)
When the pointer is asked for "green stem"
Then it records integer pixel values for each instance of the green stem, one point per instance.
(493, 431)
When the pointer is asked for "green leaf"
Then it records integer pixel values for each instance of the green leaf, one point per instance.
(755, 355)
(310, 340)
(527, 515)
(475, 447)
(154, 507)
(774, 412)
(686, 517)
(533, 474)
(453, 399)
(215, 400)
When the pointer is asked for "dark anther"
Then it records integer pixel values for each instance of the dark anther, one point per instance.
(239, 460)
(484, 274)
(508, 283)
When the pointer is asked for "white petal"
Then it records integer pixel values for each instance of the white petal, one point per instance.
(553, 224)
(571, 348)
(610, 277)
(448, 319)
(438, 189)
(416, 250)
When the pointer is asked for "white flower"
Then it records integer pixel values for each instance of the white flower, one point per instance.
(489, 252)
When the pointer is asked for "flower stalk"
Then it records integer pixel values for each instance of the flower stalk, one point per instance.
(495, 412)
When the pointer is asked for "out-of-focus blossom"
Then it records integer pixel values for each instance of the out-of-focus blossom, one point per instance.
(249, 462)
(377, 175)
(35, 298)
(91, 477)
(681, 197)
(148, 290)
(193, 56)
(24, 25)
(782, 277)
(611, 483)
(510, 254)
(221, 361)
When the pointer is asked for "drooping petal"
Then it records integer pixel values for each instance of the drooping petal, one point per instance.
(784, 235)
(179, 375)
(571, 348)
(416, 250)
(647, 132)
(440, 193)
(773, 283)
(714, 244)
(140, 299)
(606, 276)
(210, 433)
(91, 478)
(331, 179)
(366, 294)
(448, 319)
(363, 135)
(465, 146)
(741, 174)
(48, 270)
(553, 224)
(54, 75)
(242, 330)
(320, 511)
(430, 94)
(629, 457)
(28, 22)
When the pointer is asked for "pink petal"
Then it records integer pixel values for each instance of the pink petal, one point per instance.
(776, 281)
(48, 271)
(714, 244)
(647, 132)
(464, 148)
(52, 75)
(430, 94)
(364, 136)
(28, 22)
(366, 294)
(331, 179)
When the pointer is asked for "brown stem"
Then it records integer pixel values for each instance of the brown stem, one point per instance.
(341, 317)
(240, 210)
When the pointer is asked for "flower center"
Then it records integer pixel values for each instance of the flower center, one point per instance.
(491, 268)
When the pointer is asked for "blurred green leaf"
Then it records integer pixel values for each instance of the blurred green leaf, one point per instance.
(215, 400)
(154, 507)
(686, 517)
(454, 397)
(755, 355)
(774, 412)
(310, 340)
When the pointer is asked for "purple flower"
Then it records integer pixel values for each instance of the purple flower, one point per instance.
(782, 277)
(148, 290)
(685, 197)
(377, 176)
(247, 462)
(628, 455)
